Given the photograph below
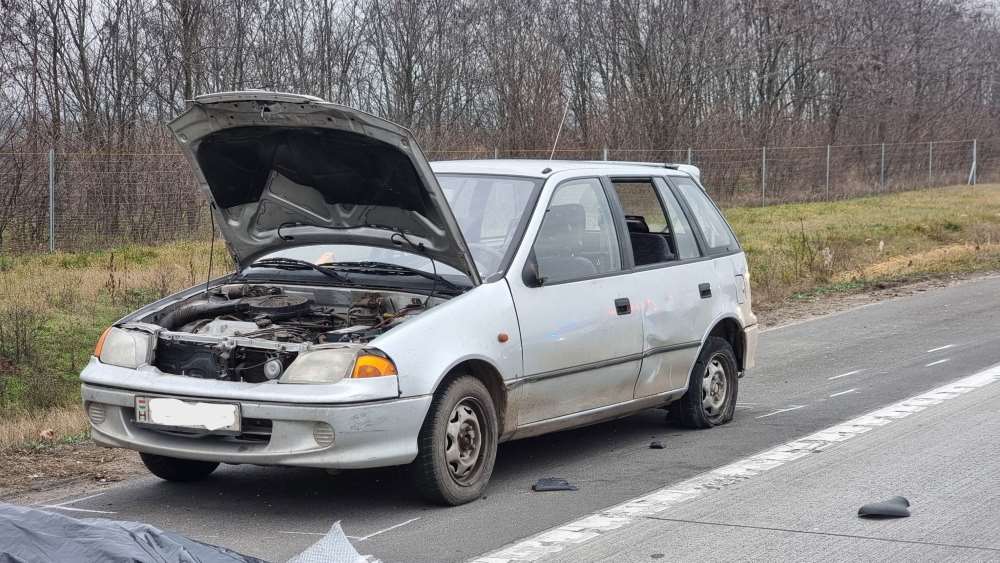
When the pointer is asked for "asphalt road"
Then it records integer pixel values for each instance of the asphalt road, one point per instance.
(810, 376)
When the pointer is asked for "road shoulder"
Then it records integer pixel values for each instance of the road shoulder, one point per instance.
(943, 459)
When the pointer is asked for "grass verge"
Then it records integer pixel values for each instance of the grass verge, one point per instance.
(807, 250)
(54, 306)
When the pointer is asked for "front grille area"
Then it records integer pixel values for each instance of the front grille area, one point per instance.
(252, 431)
(212, 361)
(193, 359)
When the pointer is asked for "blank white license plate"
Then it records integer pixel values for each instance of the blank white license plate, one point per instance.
(176, 413)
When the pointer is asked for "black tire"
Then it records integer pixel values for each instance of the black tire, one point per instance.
(462, 407)
(696, 409)
(177, 470)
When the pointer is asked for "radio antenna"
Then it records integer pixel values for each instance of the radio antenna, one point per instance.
(559, 131)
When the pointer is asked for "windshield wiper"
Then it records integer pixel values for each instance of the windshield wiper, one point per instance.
(392, 269)
(296, 264)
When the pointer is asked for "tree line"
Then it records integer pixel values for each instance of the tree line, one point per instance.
(103, 75)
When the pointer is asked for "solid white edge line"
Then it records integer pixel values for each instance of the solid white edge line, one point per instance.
(594, 525)
(939, 362)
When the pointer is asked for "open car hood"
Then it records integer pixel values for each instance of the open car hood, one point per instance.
(288, 170)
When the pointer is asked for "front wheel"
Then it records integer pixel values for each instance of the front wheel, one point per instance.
(457, 443)
(711, 395)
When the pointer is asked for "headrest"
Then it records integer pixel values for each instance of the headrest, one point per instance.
(636, 224)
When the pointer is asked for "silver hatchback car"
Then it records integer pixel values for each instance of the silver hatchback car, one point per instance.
(388, 311)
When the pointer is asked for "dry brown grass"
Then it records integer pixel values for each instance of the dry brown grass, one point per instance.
(50, 426)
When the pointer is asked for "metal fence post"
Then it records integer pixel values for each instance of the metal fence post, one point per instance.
(763, 176)
(604, 152)
(52, 200)
(930, 163)
(828, 172)
(972, 172)
(881, 171)
(689, 155)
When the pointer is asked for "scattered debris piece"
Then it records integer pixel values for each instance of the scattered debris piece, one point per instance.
(896, 507)
(553, 484)
(656, 445)
(333, 547)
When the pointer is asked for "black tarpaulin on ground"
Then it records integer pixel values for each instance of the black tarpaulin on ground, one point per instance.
(28, 534)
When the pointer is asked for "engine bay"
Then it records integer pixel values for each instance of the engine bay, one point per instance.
(253, 332)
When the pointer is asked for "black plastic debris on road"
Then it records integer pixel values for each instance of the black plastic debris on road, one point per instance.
(896, 507)
(656, 445)
(553, 484)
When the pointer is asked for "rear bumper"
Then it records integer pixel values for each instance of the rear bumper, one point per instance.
(752, 335)
(373, 434)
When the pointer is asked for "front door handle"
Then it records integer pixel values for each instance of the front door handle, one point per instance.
(622, 306)
(705, 289)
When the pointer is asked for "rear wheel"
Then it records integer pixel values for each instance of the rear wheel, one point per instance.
(457, 443)
(712, 389)
(179, 470)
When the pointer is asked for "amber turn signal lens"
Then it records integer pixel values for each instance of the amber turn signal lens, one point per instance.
(100, 342)
(369, 365)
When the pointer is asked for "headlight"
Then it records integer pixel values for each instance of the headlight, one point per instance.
(334, 364)
(123, 348)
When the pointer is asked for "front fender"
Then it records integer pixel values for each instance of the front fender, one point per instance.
(466, 327)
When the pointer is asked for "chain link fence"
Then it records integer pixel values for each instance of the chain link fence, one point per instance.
(77, 201)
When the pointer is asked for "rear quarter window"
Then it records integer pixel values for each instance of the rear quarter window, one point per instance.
(718, 236)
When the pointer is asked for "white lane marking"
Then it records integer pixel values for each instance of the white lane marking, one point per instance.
(64, 505)
(390, 528)
(851, 390)
(74, 501)
(49, 501)
(936, 363)
(779, 411)
(71, 509)
(594, 525)
(939, 348)
(846, 374)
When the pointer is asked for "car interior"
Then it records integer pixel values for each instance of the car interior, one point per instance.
(650, 245)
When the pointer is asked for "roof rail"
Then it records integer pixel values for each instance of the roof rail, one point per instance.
(689, 169)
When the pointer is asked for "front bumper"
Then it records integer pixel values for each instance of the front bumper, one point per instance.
(372, 434)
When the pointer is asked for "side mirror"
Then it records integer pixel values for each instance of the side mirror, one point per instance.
(530, 272)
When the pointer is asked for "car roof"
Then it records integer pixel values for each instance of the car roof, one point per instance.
(535, 168)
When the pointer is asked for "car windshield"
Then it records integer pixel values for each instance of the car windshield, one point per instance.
(489, 210)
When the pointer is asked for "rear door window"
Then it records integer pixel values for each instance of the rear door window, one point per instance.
(718, 236)
(684, 239)
(654, 238)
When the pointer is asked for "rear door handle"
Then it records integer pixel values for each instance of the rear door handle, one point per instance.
(705, 289)
(622, 306)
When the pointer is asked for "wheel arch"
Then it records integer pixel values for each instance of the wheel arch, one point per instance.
(731, 330)
(490, 376)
